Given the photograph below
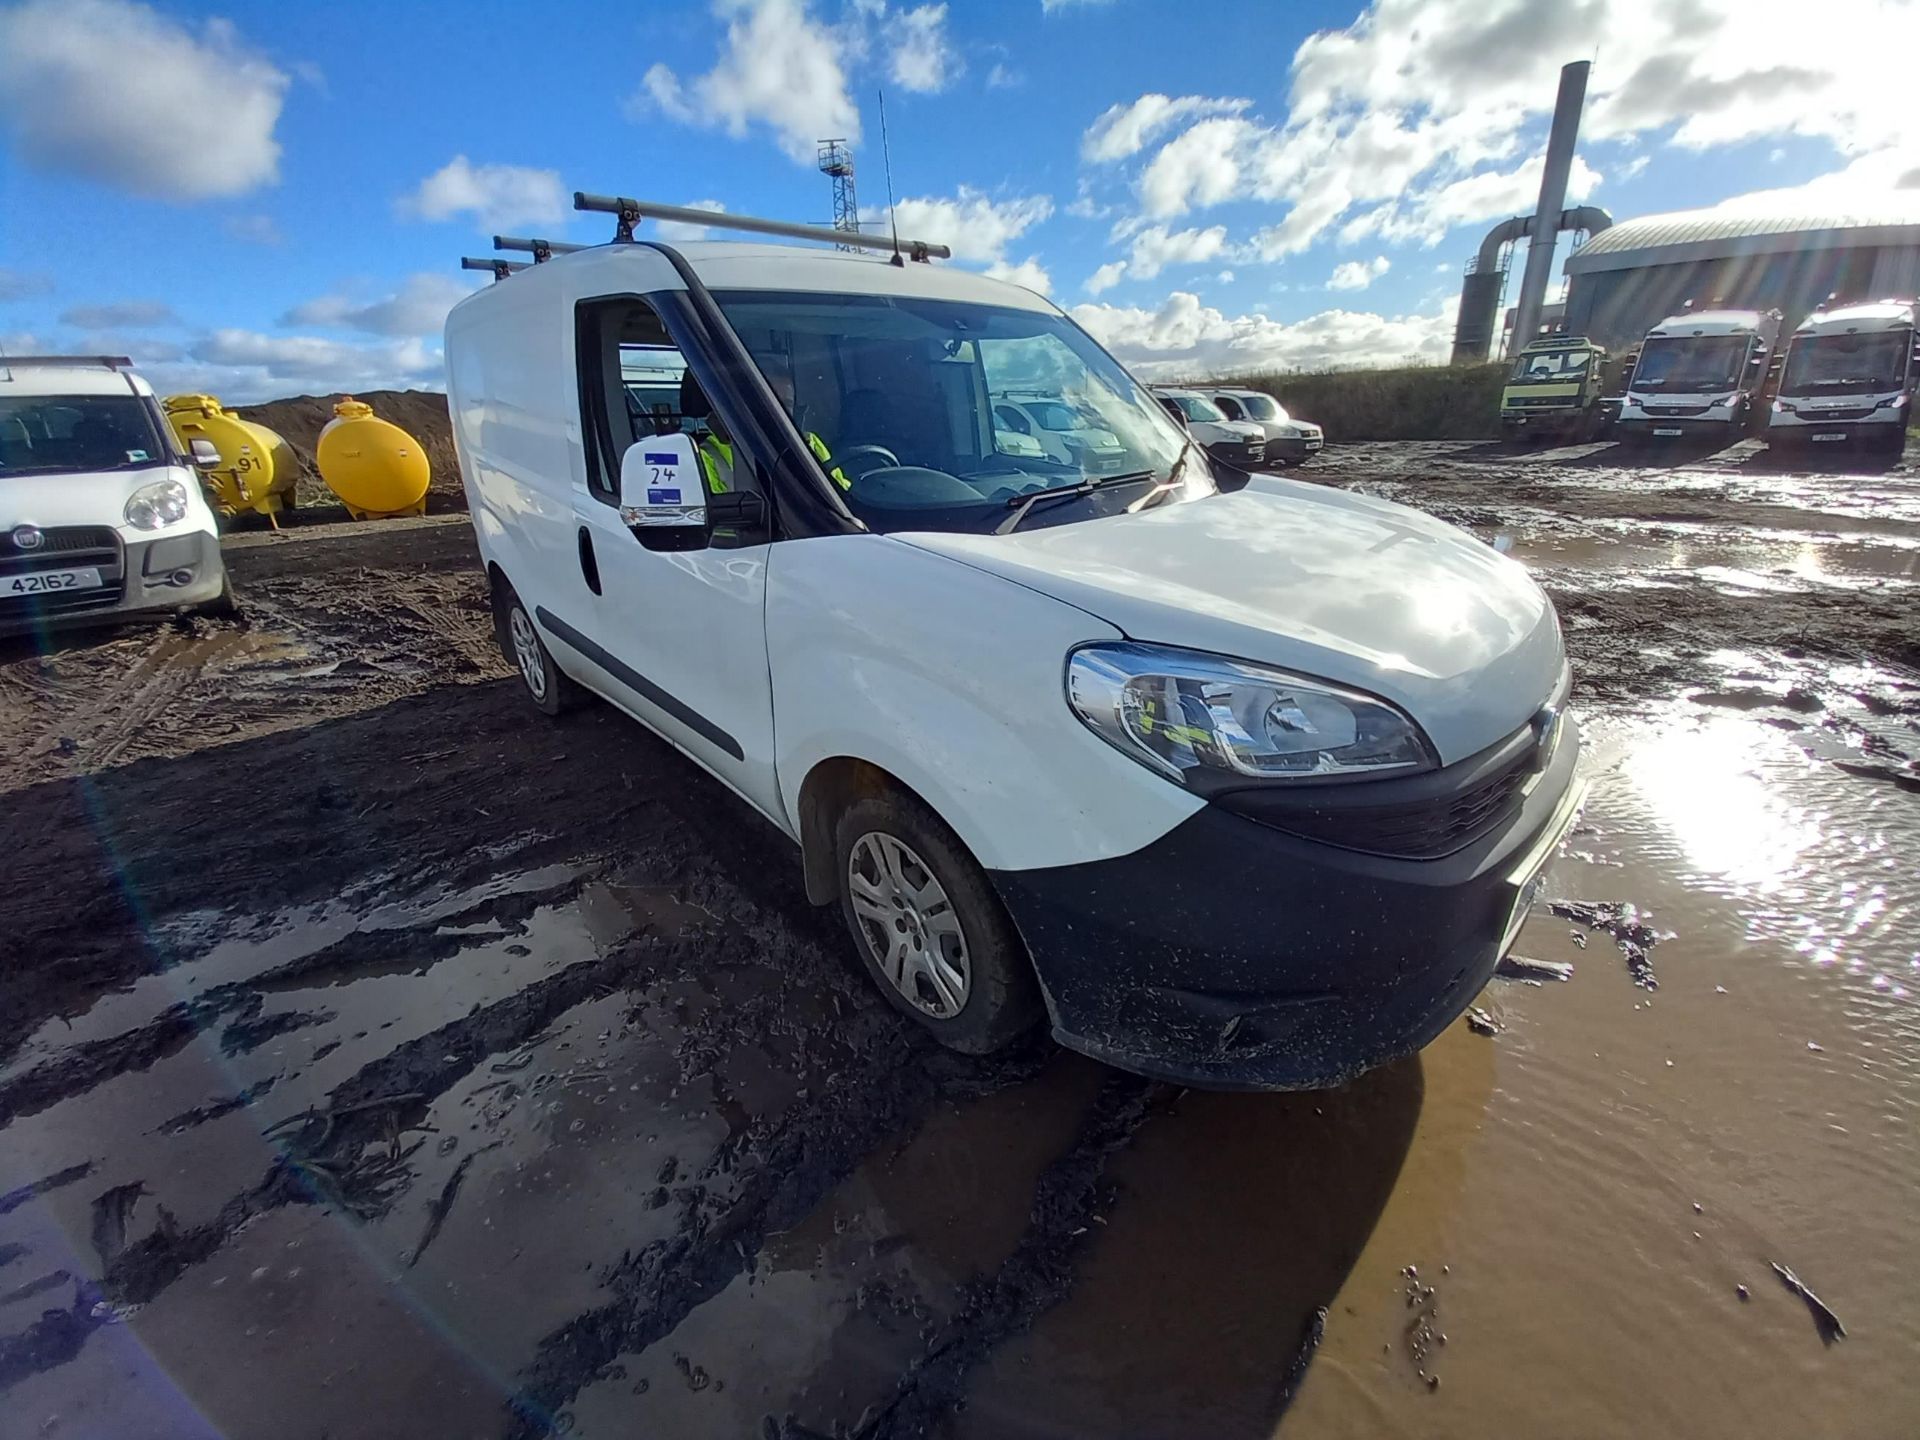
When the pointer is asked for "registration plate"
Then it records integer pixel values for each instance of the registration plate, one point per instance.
(1829, 435)
(1669, 430)
(44, 582)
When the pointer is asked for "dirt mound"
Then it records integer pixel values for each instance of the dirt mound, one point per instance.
(421, 413)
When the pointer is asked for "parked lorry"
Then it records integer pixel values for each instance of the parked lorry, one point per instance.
(102, 516)
(1234, 779)
(1555, 390)
(1700, 377)
(1850, 378)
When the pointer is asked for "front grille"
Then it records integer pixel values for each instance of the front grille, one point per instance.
(1421, 817)
(1423, 830)
(1850, 412)
(65, 547)
(62, 540)
(1675, 411)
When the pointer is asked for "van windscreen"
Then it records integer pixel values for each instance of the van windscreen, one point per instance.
(915, 406)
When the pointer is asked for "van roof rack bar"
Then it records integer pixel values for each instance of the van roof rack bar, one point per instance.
(498, 265)
(629, 213)
(105, 362)
(542, 250)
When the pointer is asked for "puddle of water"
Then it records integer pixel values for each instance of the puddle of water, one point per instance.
(1797, 563)
(249, 947)
(1630, 1158)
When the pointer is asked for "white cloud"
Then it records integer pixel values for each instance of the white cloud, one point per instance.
(1126, 129)
(498, 197)
(119, 315)
(1106, 277)
(1225, 277)
(1630, 168)
(253, 229)
(1417, 114)
(978, 227)
(1000, 77)
(1049, 6)
(680, 230)
(1186, 338)
(779, 69)
(1358, 274)
(1865, 185)
(419, 307)
(1487, 195)
(118, 93)
(23, 284)
(1155, 248)
(243, 365)
(921, 56)
(1028, 272)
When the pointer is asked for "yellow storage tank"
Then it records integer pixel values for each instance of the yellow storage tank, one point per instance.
(376, 468)
(257, 469)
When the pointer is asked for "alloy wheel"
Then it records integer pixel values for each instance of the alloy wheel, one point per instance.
(909, 925)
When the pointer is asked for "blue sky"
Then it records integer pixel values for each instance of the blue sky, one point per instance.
(265, 199)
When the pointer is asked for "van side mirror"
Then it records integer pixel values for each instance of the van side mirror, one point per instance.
(204, 453)
(662, 497)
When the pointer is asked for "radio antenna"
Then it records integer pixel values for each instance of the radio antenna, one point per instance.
(886, 160)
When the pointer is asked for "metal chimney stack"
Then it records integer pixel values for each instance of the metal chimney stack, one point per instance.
(1553, 199)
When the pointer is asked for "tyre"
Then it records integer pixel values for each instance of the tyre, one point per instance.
(550, 691)
(223, 606)
(929, 928)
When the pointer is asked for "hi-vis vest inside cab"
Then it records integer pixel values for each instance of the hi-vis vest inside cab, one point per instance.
(716, 462)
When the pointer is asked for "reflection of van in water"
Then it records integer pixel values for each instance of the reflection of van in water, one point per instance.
(1233, 779)
(1699, 377)
(1851, 375)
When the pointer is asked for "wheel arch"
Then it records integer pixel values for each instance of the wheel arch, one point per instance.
(830, 787)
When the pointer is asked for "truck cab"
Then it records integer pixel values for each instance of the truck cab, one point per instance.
(1221, 777)
(1700, 377)
(1554, 390)
(1850, 378)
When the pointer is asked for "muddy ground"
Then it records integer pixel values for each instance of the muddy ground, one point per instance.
(377, 1057)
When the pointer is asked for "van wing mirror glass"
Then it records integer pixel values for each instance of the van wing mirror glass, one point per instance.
(661, 493)
(204, 453)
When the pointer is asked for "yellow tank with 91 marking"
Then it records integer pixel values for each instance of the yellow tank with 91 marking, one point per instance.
(376, 468)
(257, 469)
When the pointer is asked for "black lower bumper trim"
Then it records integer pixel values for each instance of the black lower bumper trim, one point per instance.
(1232, 956)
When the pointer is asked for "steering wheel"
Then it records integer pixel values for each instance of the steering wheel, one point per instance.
(878, 455)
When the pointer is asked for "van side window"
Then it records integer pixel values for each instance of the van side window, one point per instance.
(635, 382)
(1230, 405)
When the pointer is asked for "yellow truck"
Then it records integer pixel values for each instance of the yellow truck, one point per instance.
(1554, 391)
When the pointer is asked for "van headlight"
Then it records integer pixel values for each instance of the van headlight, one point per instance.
(1203, 719)
(155, 506)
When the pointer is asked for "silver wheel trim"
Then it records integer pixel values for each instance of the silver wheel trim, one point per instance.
(526, 652)
(909, 925)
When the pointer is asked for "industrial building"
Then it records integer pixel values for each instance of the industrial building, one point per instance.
(1629, 277)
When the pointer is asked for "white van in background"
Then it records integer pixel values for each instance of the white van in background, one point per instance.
(101, 516)
(1290, 440)
(1850, 378)
(1237, 442)
(1237, 780)
(1699, 377)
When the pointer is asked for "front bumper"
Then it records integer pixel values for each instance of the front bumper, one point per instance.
(152, 575)
(1721, 423)
(1241, 454)
(1878, 428)
(1292, 449)
(1232, 955)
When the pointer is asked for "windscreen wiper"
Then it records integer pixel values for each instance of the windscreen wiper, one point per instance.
(1021, 504)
